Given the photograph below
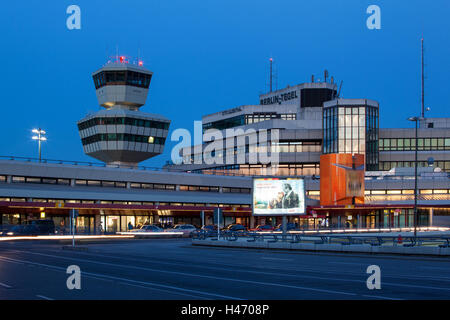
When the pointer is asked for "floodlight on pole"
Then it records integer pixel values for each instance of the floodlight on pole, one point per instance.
(40, 137)
(416, 120)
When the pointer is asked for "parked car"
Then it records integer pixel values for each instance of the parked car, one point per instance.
(31, 228)
(149, 228)
(210, 228)
(266, 227)
(43, 226)
(290, 226)
(187, 229)
(4, 229)
(164, 225)
(235, 228)
(23, 230)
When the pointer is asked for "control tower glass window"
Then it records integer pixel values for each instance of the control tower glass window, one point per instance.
(352, 129)
(130, 78)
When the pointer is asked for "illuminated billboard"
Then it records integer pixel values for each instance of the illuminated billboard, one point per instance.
(273, 196)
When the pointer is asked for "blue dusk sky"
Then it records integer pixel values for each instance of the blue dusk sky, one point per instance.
(211, 55)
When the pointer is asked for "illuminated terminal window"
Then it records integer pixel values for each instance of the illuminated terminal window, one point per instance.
(409, 144)
(131, 78)
(394, 191)
(244, 119)
(388, 165)
(123, 121)
(122, 137)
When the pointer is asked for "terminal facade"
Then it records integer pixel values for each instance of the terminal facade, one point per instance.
(303, 123)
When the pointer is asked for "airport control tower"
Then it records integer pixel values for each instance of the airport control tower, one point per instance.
(121, 134)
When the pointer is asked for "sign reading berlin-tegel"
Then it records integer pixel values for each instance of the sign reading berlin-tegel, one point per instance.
(279, 98)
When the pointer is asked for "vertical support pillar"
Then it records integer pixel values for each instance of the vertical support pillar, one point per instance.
(430, 217)
(284, 227)
(252, 222)
(202, 215)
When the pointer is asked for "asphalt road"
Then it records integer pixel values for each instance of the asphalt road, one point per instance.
(174, 269)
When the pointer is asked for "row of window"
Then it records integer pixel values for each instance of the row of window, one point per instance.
(122, 137)
(225, 123)
(199, 188)
(286, 146)
(121, 184)
(301, 169)
(130, 78)
(18, 179)
(409, 144)
(99, 183)
(297, 146)
(263, 116)
(125, 121)
(388, 165)
(139, 203)
(236, 190)
(308, 193)
(247, 119)
(406, 191)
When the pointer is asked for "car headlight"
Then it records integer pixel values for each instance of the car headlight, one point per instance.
(10, 233)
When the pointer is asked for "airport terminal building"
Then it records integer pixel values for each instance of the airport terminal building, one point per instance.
(308, 127)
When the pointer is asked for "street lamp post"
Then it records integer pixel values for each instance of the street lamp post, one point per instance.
(416, 120)
(40, 137)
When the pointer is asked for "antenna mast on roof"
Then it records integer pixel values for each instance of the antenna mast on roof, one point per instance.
(340, 87)
(271, 75)
(423, 81)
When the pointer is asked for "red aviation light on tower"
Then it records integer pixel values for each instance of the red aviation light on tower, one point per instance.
(140, 63)
(122, 59)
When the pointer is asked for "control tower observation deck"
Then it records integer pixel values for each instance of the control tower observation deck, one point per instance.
(121, 134)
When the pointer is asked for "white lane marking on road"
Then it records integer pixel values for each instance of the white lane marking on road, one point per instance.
(281, 273)
(202, 276)
(4, 285)
(296, 269)
(409, 277)
(94, 275)
(280, 259)
(380, 297)
(244, 281)
(44, 297)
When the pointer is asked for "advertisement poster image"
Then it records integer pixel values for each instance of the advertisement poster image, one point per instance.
(278, 196)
